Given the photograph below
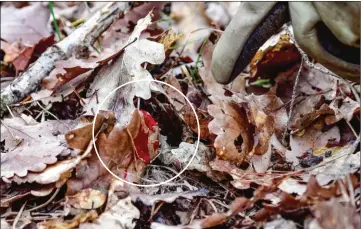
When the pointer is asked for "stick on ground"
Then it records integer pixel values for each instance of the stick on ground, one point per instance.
(77, 44)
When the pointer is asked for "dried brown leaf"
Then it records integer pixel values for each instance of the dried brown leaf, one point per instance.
(333, 214)
(11, 50)
(121, 214)
(30, 53)
(230, 121)
(31, 147)
(69, 224)
(87, 199)
(126, 150)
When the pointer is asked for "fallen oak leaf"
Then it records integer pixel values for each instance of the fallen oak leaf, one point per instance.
(80, 137)
(58, 172)
(21, 159)
(264, 127)
(126, 67)
(52, 173)
(126, 151)
(66, 70)
(230, 122)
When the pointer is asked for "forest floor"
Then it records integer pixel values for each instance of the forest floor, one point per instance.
(111, 118)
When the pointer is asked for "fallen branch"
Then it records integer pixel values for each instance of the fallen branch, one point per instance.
(77, 44)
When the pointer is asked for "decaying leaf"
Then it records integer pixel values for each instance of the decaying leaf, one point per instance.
(69, 224)
(334, 215)
(310, 117)
(127, 67)
(255, 166)
(87, 199)
(277, 53)
(204, 119)
(127, 150)
(121, 214)
(169, 38)
(238, 205)
(151, 200)
(344, 108)
(230, 122)
(11, 51)
(15, 23)
(190, 18)
(314, 140)
(31, 147)
(52, 173)
(30, 53)
(182, 156)
(242, 178)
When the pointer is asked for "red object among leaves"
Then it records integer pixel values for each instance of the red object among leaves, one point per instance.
(142, 142)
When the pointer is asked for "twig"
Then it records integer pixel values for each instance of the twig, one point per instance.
(196, 209)
(18, 215)
(351, 191)
(11, 113)
(210, 202)
(46, 203)
(77, 43)
(155, 211)
(45, 110)
(292, 101)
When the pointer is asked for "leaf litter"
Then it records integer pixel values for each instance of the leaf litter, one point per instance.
(254, 166)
